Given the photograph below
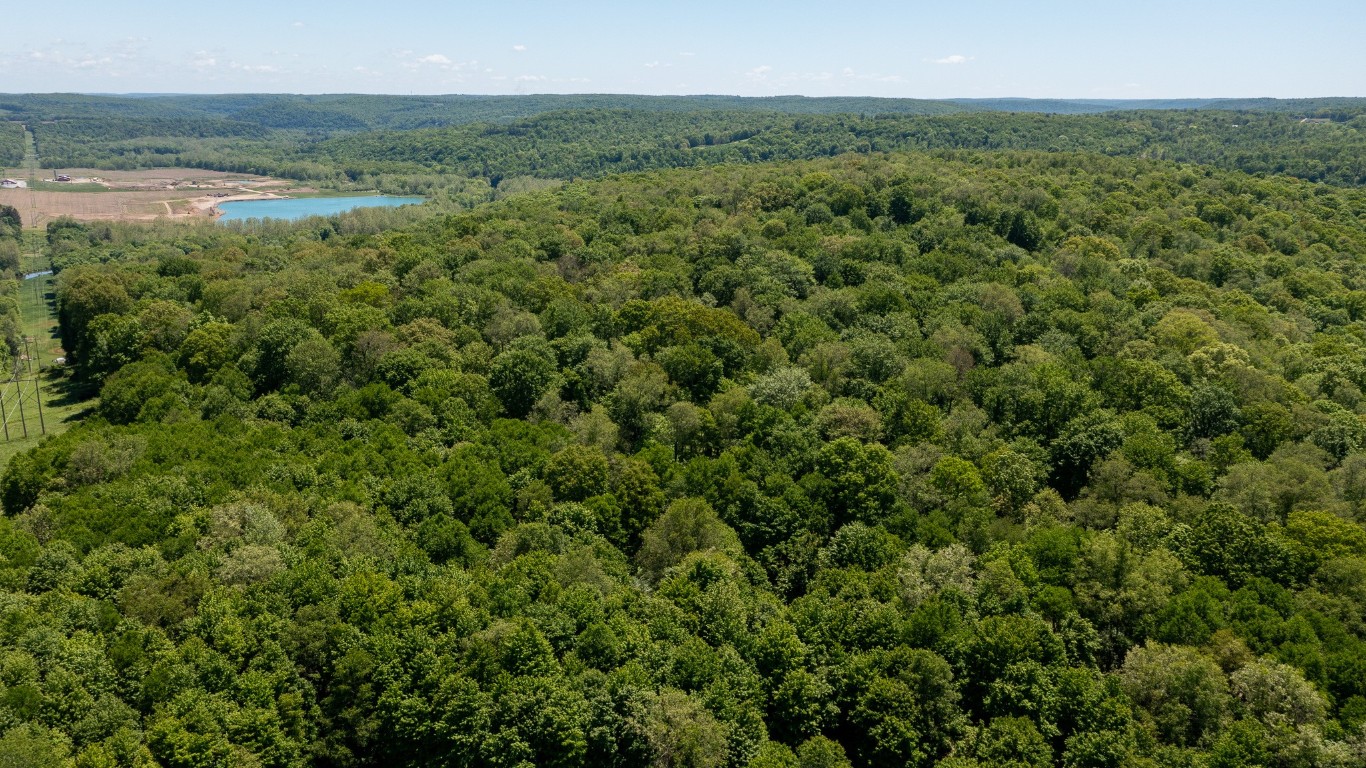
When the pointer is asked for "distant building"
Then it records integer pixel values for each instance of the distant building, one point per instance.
(9, 184)
(1316, 120)
(63, 177)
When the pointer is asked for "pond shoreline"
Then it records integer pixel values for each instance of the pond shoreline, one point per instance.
(294, 208)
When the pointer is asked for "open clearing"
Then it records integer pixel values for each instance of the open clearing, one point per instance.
(63, 401)
(98, 195)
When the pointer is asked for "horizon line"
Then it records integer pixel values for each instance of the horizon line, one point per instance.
(1079, 99)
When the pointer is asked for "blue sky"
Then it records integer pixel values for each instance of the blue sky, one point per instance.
(982, 48)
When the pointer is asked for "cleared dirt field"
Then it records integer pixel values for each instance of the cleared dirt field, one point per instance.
(135, 195)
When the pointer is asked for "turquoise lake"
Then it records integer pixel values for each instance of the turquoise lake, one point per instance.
(301, 207)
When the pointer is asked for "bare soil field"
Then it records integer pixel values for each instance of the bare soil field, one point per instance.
(136, 195)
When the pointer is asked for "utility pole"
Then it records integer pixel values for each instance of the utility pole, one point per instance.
(38, 396)
(22, 418)
(4, 412)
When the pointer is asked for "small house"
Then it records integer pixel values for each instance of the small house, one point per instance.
(63, 177)
(9, 184)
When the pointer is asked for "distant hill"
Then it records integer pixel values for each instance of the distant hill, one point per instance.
(589, 143)
(355, 112)
(339, 113)
(1324, 107)
(417, 143)
(1080, 106)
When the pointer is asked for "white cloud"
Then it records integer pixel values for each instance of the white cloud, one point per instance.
(113, 60)
(956, 58)
(874, 77)
(655, 64)
(204, 60)
(437, 61)
(776, 80)
(131, 48)
(531, 78)
(687, 53)
(519, 47)
(297, 25)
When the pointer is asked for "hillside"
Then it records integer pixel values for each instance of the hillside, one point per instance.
(562, 145)
(331, 112)
(335, 140)
(577, 144)
(350, 112)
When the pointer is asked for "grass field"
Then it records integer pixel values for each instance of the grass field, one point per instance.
(63, 403)
(302, 193)
(64, 186)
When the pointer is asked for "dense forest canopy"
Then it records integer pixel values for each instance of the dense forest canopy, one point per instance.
(351, 142)
(587, 144)
(965, 458)
(352, 111)
(11, 144)
(365, 111)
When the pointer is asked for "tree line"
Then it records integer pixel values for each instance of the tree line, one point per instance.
(11, 144)
(589, 143)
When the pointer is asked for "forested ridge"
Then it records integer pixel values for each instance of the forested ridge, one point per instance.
(342, 111)
(84, 139)
(587, 144)
(592, 143)
(435, 145)
(331, 112)
(971, 458)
